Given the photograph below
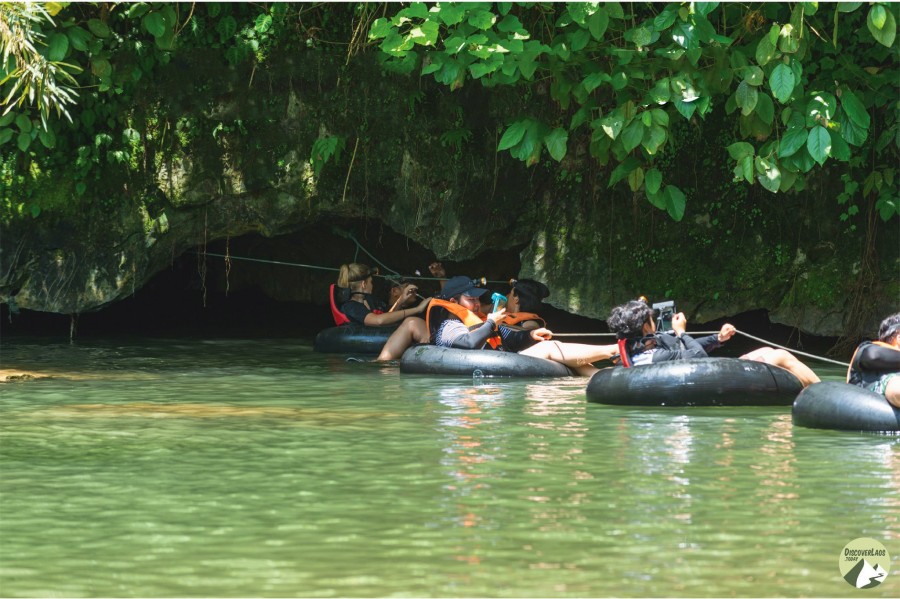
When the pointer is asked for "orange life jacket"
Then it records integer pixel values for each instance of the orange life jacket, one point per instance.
(468, 318)
(514, 319)
(853, 359)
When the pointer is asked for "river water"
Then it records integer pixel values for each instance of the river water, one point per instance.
(155, 467)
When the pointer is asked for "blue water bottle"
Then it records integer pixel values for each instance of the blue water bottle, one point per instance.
(497, 298)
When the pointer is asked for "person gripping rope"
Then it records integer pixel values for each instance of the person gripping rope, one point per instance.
(640, 343)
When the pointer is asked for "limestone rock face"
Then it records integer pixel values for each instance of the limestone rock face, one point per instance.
(422, 162)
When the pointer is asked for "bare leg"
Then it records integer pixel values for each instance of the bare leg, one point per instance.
(892, 392)
(577, 356)
(786, 360)
(412, 330)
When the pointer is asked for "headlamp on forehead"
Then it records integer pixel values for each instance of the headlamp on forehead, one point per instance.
(372, 272)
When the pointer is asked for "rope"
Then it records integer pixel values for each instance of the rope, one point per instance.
(795, 351)
(694, 333)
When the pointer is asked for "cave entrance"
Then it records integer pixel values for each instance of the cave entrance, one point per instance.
(266, 287)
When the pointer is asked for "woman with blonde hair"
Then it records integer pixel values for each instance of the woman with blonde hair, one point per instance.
(364, 308)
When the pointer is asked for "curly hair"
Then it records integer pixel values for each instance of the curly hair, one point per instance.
(628, 319)
(890, 327)
(530, 294)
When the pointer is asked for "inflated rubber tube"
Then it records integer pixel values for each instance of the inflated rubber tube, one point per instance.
(352, 339)
(695, 382)
(844, 407)
(432, 359)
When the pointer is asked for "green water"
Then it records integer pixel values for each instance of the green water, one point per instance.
(259, 468)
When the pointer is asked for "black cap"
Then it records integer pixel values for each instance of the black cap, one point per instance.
(461, 286)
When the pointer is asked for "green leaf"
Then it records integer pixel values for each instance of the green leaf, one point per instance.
(615, 10)
(480, 69)
(23, 123)
(79, 38)
(652, 181)
(636, 179)
(740, 149)
(654, 137)
(513, 135)
(612, 124)
(765, 108)
(657, 199)
(848, 6)
(482, 19)
(5, 135)
(58, 47)
(685, 108)
(745, 168)
(137, 10)
(819, 144)
(7, 118)
(48, 138)
(622, 171)
(100, 67)
(556, 143)
(782, 82)
(226, 28)
(98, 28)
(878, 16)
(156, 25)
(855, 109)
(852, 133)
(263, 23)
(598, 23)
(765, 51)
(675, 202)
(792, 141)
(770, 174)
(839, 148)
(887, 207)
(746, 97)
(660, 93)
(23, 141)
(632, 135)
(509, 24)
(380, 28)
(594, 80)
(886, 34)
(754, 75)
(666, 18)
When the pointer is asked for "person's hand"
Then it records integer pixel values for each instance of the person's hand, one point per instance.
(422, 305)
(497, 316)
(409, 292)
(437, 270)
(542, 334)
(679, 323)
(726, 332)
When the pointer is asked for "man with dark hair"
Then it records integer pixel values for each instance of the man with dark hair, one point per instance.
(876, 364)
(640, 343)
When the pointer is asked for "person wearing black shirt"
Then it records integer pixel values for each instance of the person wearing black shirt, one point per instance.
(876, 364)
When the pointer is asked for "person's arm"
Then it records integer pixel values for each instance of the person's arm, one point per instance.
(388, 318)
(474, 339)
(877, 358)
(682, 347)
(709, 342)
